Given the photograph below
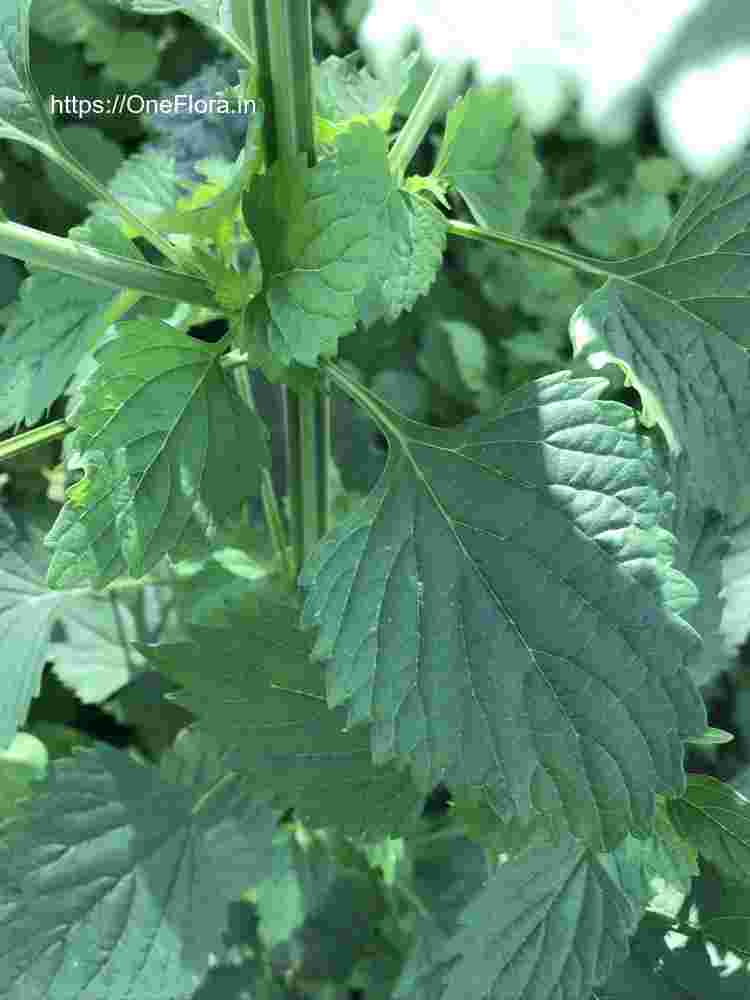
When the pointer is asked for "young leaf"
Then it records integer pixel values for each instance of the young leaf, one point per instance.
(502, 608)
(551, 924)
(324, 233)
(675, 320)
(115, 879)
(253, 687)
(58, 320)
(345, 95)
(715, 818)
(169, 451)
(487, 154)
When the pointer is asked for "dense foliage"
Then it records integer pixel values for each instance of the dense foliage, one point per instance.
(458, 747)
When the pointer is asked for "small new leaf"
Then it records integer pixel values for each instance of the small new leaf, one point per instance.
(325, 233)
(487, 155)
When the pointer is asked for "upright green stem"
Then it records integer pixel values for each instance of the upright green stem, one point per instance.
(441, 85)
(271, 510)
(283, 38)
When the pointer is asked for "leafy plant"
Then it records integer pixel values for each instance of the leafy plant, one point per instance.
(423, 738)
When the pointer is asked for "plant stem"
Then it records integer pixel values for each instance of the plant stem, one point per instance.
(83, 261)
(283, 36)
(66, 161)
(34, 438)
(440, 86)
(586, 265)
(271, 510)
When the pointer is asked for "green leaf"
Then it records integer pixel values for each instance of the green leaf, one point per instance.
(22, 765)
(135, 59)
(657, 969)
(88, 145)
(429, 604)
(324, 233)
(455, 356)
(659, 174)
(116, 876)
(715, 818)
(408, 242)
(23, 117)
(169, 451)
(446, 874)
(345, 95)
(92, 661)
(27, 610)
(551, 924)
(254, 688)
(343, 906)
(674, 320)
(59, 319)
(147, 186)
(702, 545)
(66, 22)
(487, 154)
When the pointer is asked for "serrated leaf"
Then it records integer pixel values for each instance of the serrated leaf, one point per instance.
(702, 544)
(659, 969)
(27, 611)
(169, 452)
(101, 155)
(487, 154)
(58, 320)
(345, 95)
(428, 605)
(116, 877)
(23, 117)
(549, 925)
(673, 320)
(253, 687)
(411, 234)
(322, 232)
(91, 661)
(146, 184)
(715, 818)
